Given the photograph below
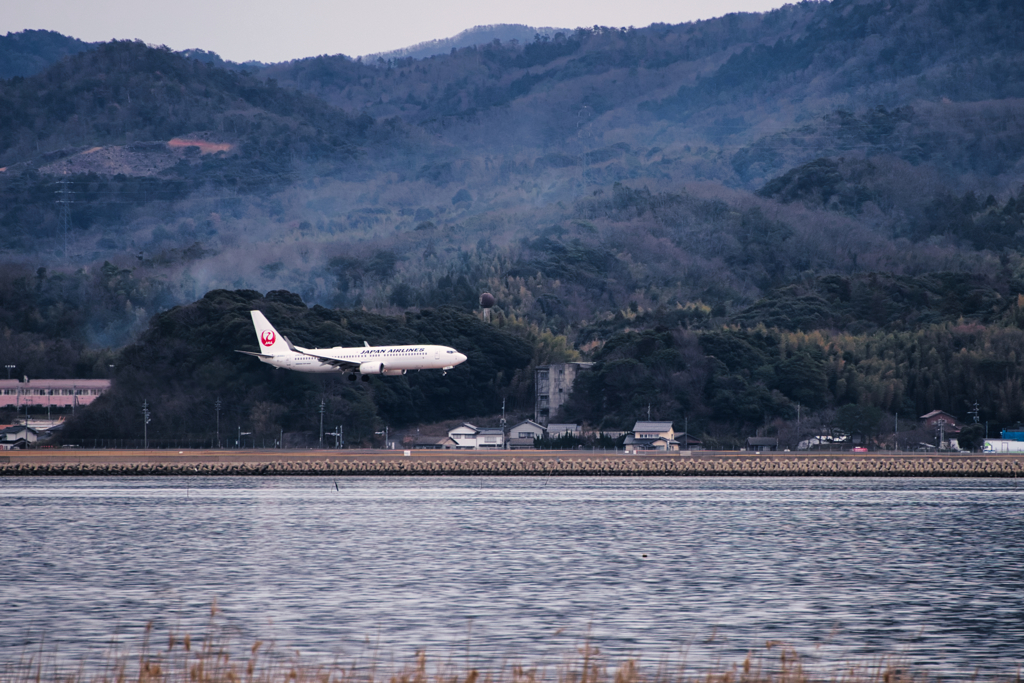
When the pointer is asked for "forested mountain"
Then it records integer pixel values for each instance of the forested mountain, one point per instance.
(478, 35)
(849, 169)
(28, 52)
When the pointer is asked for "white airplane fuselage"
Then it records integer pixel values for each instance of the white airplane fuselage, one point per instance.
(371, 360)
(277, 350)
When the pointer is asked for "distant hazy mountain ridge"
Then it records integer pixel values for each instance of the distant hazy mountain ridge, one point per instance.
(478, 35)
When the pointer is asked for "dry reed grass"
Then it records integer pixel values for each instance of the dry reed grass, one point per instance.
(212, 659)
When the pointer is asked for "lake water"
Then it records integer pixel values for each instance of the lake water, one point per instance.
(486, 570)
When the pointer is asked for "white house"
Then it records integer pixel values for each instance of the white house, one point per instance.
(470, 436)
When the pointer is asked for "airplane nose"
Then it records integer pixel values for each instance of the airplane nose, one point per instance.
(460, 358)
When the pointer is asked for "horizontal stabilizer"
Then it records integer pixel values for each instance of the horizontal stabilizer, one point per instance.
(253, 353)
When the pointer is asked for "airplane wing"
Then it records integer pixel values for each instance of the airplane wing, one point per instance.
(340, 364)
(326, 360)
(253, 353)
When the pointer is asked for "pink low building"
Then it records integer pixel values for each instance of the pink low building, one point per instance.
(58, 393)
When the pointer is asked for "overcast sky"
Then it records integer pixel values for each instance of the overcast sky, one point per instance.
(279, 30)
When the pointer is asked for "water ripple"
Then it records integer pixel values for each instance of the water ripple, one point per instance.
(930, 570)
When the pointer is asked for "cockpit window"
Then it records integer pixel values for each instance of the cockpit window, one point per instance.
(450, 351)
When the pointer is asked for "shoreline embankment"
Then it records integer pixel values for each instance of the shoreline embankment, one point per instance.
(74, 462)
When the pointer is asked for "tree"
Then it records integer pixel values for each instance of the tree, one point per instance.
(859, 420)
(972, 437)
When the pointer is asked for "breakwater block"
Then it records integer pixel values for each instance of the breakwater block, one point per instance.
(601, 467)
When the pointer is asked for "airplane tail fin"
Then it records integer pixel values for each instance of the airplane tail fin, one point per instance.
(270, 341)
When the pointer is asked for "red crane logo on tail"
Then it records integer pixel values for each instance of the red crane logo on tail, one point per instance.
(268, 337)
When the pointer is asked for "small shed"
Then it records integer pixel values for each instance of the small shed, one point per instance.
(427, 443)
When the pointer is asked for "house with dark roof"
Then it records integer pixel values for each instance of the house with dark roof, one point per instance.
(651, 436)
(688, 442)
(17, 437)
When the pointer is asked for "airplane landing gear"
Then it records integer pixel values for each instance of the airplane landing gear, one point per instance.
(366, 378)
(352, 377)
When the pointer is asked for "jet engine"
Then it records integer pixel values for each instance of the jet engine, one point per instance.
(378, 368)
(371, 368)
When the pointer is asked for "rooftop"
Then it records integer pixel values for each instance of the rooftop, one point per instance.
(641, 426)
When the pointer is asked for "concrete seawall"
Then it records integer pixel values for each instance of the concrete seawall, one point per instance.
(503, 463)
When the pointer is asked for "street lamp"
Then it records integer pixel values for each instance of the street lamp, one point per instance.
(9, 368)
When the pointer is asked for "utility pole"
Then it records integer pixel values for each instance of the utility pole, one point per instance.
(65, 211)
(216, 407)
(321, 423)
(145, 425)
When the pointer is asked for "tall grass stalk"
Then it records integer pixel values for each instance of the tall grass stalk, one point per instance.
(212, 658)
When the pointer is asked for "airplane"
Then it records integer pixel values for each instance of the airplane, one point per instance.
(365, 360)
